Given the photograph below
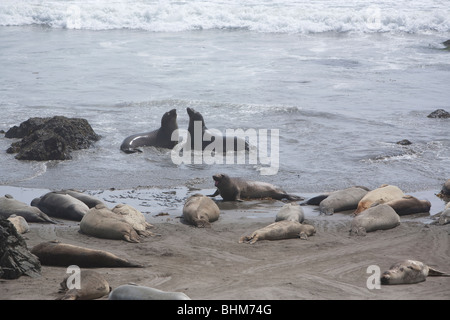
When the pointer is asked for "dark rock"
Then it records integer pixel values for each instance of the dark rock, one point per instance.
(50, 138)
(404, 142)
(446, 44)
(15, 258)
(439, 113)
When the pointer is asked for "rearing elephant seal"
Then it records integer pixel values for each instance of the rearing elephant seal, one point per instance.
(379, 217)
(200, 211)
(232, 189)
(409, 271)
(380, 195)
(161, 138)
(135, 292)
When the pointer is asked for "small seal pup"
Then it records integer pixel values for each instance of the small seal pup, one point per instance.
(232, 189)
(283, 229)
(290, 211)
(200, 211)
(379, 217)
(62, 206)
(409, 205)
(382, 194)
(409, 271)
(92, 286)
(135, 292)
(10, 206)
(56, 253)
(160, 138)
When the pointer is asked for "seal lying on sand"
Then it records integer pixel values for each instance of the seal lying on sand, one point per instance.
(284, 229)
(342, 200)
(379, 217)
(409, 205)
(200, 211)
(133, 216)
(55, 253)
(135, 292)
(380, 195)
(10, 206)
(61, 205)
(160, 138)
(232, 189)
(409, 271)
(88, 200)
(290, 211)
(92, 286)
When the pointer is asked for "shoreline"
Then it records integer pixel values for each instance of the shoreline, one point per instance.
(210, 264)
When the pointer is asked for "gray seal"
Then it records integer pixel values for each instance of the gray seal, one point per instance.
(283, 229)
(135, 292)
(409, 271)
(200, 211)
(160, 138)
(88, 200)
(55, 253)
(409, 205)
(379, 217)
(342, 200)
(290, 211)
(61, 205)
(232, 189)
(92, 286)
(10, 206)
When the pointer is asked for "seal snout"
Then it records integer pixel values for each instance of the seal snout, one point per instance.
(385, 278)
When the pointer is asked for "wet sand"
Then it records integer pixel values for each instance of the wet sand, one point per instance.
(210, 264)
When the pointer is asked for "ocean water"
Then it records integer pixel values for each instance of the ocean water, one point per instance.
(341, 82)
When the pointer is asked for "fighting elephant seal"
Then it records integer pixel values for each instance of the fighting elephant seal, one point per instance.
(342, 200)
(409, 271)
(380, 195)
(290, 211)
(135, 292)
(379, 217)
(55, 253)
(160, 138)
(284, 229)
(61, 205)
(409, 205)
(10, 206)
(19, 223)
(92, 286)
(199, 143)
(232, 189)
(200, 211)
(101, 222)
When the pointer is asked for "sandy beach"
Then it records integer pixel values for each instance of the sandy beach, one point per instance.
(210, 264)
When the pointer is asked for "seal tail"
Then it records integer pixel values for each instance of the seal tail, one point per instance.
(436, 273)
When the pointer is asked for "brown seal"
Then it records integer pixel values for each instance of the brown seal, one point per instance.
(379, 217)
(409, 205)
(232, 189)
(61, 205)
(200, 211)
(92, 286)
(380, 195)
(409, 271)
(284, 229)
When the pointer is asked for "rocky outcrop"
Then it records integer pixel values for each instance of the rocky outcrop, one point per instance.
(15, 258)
(51, 138)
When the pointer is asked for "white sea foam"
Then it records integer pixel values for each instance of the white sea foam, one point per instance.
(286, 16)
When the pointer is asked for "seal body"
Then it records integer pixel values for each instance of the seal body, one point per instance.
(409, 271)
(200, 211)
(134, 217)
(88, 200)
(409, 205)
(19, 223)
(92, 286)
(231, 189)
(160, 138)
(61, 205)
(55, 253)
(135, 292)
(382, 194)
(10, 206)
(445, 191)
(290, 211)
(342, 200)
(379, 217)
(284, 229)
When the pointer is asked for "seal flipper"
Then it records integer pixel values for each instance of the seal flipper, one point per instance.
(214, 194)
(436, 273)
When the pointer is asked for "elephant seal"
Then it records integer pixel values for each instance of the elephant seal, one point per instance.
(342, 200)
(206, 137)
(200, 211)
(101, 222)
(379, 217)
(160, 138)
(291, 212)
(88, 200)
(445, 191)
(380, 195)
(409, 271)
(409, 205)
(59, 205)
(19, 223)
(135, 292)
(442, 217)
(10, 206)
(232, 189)
(55, 253)
(283, 229)
(133, 216)
(92, 286)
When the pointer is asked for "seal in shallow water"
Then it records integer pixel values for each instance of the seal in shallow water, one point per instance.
(380, 195)
(61, 205)
(409, 205)
(409, 271)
